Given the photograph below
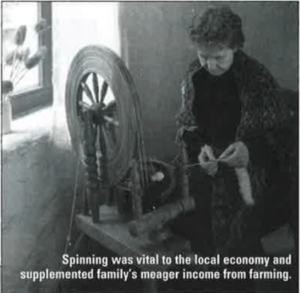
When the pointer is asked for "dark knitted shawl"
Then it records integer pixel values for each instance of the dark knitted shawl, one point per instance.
(263, 116)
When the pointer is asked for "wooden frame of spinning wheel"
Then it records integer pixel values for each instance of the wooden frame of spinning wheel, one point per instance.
(88, 115)
(90, 62)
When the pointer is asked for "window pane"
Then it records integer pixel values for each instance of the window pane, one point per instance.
(14, 15)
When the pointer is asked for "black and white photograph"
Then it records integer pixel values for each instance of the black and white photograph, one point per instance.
(149, 147)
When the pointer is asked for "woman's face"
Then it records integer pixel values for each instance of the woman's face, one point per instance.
(215, 59)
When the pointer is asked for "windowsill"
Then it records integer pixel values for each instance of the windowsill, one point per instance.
(27, 130)
(22, 103)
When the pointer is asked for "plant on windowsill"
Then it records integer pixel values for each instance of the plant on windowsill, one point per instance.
(19, 61)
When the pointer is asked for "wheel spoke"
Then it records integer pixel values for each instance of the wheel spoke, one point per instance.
(96, 86)
(87, 91)
(110, 120)
(103, 91)
(83, 105)
(110, 113)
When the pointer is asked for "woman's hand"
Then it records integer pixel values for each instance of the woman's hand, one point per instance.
(236, 155)
(208, 161)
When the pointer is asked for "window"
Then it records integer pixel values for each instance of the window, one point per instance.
(35, 89)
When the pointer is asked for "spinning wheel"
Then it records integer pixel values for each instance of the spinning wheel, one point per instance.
(98, 80)
(103, 115)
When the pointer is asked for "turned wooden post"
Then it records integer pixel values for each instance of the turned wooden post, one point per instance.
(103, 166)
(136, 192)
(90, 160)
(184, 179)
(85, 204)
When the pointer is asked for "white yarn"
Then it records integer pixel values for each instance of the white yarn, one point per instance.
(245, 185)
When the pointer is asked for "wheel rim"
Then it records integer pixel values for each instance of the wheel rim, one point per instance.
(95, 67)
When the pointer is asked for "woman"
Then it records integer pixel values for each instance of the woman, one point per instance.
(230, 121)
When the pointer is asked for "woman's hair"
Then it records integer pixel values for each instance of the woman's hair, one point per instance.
(218, 26)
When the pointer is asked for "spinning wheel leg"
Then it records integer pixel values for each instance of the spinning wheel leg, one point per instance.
(185, 192)
(89, 152)
(137, 192)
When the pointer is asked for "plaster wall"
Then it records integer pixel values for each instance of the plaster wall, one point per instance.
(38, 164)
(37, 188)
(76, 25)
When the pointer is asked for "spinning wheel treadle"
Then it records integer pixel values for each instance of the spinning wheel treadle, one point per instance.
(99, 80)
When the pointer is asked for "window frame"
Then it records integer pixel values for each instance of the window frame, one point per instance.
(34, 98)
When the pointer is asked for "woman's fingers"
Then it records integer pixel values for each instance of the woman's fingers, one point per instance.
(231, 158)
(236, 155)
(208, 161)
(210, 153)
(231, 161)
(228, 152)
(201, 157)
(213, 169)
(210, 167)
